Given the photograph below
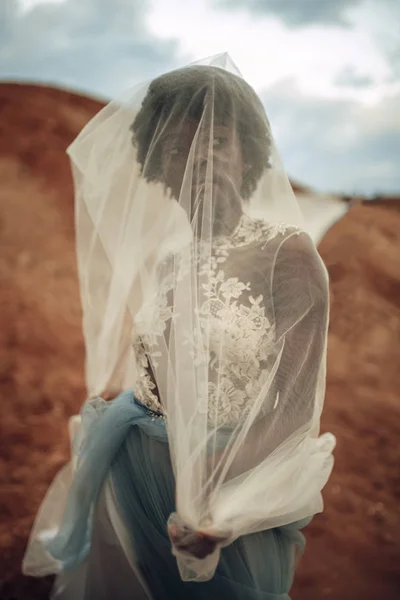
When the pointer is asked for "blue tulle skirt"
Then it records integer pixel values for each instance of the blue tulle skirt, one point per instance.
(127, 445)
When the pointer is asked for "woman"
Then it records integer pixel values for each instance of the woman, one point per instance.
(208, 326)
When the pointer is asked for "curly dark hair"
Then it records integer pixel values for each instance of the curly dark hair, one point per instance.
(186, 91)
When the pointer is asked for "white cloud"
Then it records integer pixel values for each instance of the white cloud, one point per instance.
(349, 77)
(100, 46)
(336, 145)
(267, 51)
(29, 4)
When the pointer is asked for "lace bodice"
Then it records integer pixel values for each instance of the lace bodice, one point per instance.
(239, 316)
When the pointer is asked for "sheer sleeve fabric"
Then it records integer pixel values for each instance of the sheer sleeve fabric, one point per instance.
(300, 306)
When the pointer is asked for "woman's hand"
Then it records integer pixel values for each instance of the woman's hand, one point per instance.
(198, 544)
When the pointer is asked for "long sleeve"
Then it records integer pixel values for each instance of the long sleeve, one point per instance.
(301, 307)
(300, 312)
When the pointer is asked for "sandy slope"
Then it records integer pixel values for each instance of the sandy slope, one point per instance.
(354, 548)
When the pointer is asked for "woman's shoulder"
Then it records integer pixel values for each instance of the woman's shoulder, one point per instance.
(260, 233)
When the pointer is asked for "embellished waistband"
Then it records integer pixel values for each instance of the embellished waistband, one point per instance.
(150, 412)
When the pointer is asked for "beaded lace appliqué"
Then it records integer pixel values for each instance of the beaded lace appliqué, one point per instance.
(233, 317)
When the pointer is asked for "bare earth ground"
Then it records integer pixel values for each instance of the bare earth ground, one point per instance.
(353, 549)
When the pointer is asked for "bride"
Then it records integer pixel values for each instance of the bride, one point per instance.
(197, 458)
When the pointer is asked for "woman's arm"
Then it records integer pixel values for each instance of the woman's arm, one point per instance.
(300, 296)
(301, 308)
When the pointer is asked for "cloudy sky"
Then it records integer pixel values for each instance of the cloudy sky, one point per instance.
(328, 71)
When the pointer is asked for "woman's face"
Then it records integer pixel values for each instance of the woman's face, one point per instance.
(221, 157)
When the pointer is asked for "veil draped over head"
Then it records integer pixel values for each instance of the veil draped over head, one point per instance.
(203, 293)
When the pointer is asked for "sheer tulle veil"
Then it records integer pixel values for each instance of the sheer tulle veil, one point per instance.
(192, 247)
